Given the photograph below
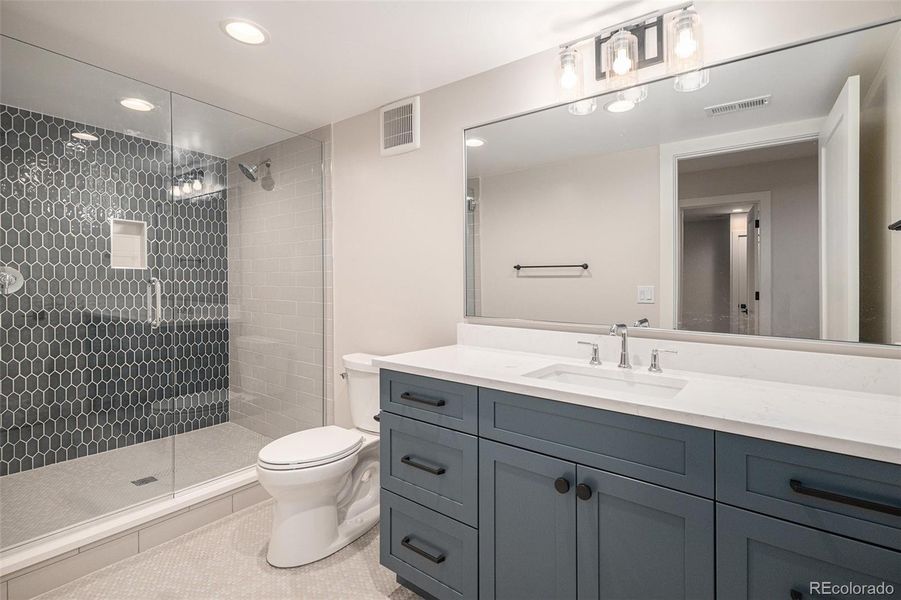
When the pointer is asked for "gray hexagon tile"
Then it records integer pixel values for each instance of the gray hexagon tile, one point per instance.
(82, 371)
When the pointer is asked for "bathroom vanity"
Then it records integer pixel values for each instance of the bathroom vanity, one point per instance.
(514, 475)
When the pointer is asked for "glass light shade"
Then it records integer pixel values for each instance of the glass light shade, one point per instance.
(622, 59)
(176, 191)
(569, 74)
(583, 107)
(634, 94)
(197, 185)
(691, 81)
(683, 47)
(186, 187)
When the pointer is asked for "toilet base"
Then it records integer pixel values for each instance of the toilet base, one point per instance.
(285, 552)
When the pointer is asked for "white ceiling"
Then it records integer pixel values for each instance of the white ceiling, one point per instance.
(326, 61)
(803, 81)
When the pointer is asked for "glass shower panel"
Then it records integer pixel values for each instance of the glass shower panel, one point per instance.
(245, 287)
(86, 367)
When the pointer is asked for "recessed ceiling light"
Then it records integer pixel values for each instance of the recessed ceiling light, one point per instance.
(475, 142)
(136, 104)
(619, 106)
(84, 135)
(244, 31)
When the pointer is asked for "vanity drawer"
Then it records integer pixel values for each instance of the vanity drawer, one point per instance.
(762, 558)
(431, 551)
(852, 496)
(433, 466)
(669, 454)
(445, 403)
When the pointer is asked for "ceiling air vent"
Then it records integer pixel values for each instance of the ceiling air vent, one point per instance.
(738, 106)
(399, 126)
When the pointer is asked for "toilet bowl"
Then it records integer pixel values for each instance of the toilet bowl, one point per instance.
(325, 481)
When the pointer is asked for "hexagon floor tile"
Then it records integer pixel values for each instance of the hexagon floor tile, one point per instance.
(40, 501)
(227, 560)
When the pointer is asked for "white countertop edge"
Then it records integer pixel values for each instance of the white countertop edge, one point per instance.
(829, 443)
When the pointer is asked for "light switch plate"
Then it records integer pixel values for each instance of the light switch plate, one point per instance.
(646, 294)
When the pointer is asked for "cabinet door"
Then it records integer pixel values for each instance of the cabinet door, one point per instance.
(527, 517)
(639, 540)
(762, 558)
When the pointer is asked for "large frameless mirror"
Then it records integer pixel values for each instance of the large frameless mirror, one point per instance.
(761, 203)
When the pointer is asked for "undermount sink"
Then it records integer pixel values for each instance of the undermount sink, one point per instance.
(646, 384)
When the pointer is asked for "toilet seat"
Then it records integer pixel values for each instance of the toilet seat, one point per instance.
(310, 448)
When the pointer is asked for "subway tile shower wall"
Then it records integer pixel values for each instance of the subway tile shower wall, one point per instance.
(82, 369)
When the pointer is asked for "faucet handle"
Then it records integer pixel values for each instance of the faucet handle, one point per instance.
(595, 352)
(655, 359)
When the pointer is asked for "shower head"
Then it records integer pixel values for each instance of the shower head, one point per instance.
(251, 172)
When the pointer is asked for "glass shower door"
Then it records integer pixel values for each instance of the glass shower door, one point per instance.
(86, 367)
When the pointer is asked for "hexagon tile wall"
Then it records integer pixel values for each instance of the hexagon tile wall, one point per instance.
(82, 370)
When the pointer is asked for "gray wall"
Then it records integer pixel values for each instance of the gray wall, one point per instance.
(706, 275)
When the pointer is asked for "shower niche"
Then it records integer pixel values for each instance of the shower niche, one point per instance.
(128, 244)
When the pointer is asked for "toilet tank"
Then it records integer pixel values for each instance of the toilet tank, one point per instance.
(362, 390)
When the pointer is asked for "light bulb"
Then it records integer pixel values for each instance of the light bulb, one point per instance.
(186, 188)
(176, 191)
(622, 64)
(687, 45)
(197, 185)
(569, 75)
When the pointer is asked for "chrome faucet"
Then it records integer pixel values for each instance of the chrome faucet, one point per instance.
(622, 330)
(595, 353)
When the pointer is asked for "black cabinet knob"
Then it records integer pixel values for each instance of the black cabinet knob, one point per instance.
(583, 492)
(561, 485)
(796, 595)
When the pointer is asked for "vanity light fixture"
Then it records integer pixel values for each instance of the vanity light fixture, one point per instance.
(475, 142)
(176, 190)
(636, 94)
(622, 59)
(197, 185)
(244, 31)
(684, 51)
(85, 136)
(691, 81)
(137, 104)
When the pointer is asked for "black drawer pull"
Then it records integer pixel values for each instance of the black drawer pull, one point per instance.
(800, 488)
(796, 595)
(429, 401)
(435, 559)
(418, 465)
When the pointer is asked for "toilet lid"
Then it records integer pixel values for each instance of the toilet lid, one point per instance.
(319, 445)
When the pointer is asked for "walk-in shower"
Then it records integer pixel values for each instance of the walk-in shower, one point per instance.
(162, 317)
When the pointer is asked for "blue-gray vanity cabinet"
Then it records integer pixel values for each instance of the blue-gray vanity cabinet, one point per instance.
(668, 454)
(851, 496)
(762, 558)
(527, 525)
(431, 465)
(435, 553)
(444, 403)
(639, 540)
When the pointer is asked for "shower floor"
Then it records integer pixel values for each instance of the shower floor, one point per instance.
(41, 501)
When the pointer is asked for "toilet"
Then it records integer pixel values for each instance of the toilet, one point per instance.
(325, 481)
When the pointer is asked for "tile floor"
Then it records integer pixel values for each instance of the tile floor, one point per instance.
(44, 500)
(227, 559)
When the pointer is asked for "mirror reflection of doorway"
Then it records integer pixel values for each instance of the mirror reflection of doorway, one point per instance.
(725, 264)
(749, 241)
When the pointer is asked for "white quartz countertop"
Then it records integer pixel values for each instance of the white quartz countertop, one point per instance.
(848, 422)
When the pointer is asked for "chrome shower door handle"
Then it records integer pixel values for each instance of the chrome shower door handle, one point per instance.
(154, 302)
